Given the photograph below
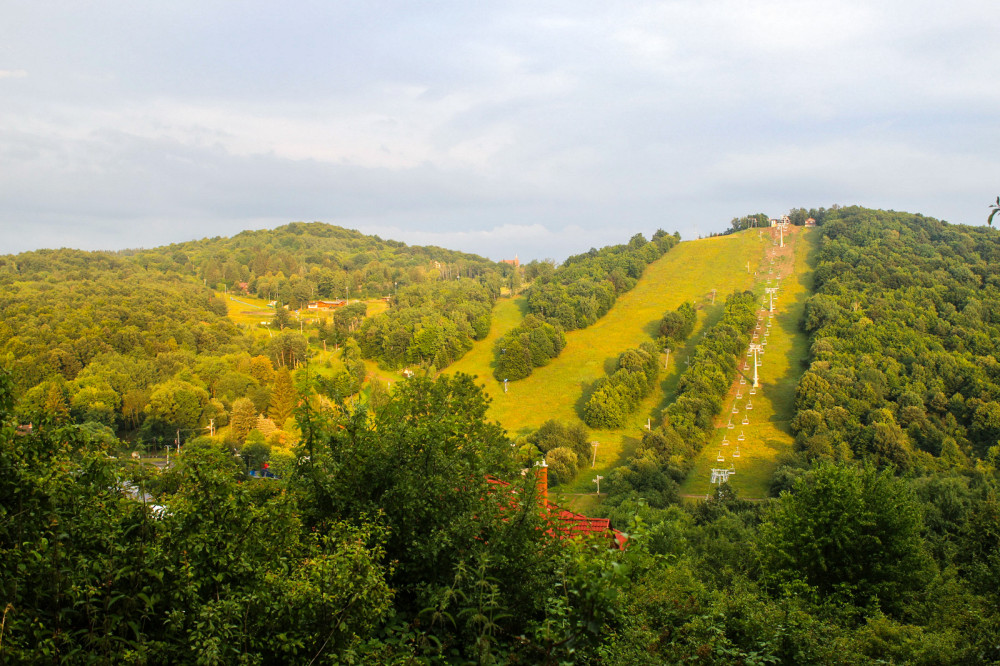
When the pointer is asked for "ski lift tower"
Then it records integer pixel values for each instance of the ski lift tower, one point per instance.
(722, 475)
(755, 348)
(771, 291)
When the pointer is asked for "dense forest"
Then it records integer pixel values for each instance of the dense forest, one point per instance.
(402, 526)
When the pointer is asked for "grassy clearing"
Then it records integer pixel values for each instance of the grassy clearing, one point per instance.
(767, 435)
(246, 310)
(559, 390)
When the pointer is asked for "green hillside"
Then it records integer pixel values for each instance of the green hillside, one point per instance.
(689, 272)
(767, 435)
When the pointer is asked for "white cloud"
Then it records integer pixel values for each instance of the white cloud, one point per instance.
(496, 128)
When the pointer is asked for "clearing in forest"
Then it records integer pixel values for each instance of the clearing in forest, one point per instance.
(766, 434)
(689, 272)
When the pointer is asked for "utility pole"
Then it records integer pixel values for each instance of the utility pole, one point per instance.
(593, 462)
(597, 480)
(667, 359)
(771, 291)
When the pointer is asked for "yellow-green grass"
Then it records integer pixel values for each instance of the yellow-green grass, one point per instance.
(689, 272)
(767, 436)
(246, 310)
(507, 313)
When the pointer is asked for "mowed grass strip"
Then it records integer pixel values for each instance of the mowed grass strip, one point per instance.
(767, 435)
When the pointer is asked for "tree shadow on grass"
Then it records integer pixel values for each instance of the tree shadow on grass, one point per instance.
(586, 390)
(652, 328)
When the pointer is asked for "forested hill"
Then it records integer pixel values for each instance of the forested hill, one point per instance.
(301, 261)
(904, 325)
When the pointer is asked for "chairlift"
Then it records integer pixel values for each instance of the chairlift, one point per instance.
(735, 409)
(739, 395)
(746, 420)
(730, 426)
(753, 391)
(743, 380)
(741, 437)
(749, 405)
(736, 453)
(720, 458)
(725, 440)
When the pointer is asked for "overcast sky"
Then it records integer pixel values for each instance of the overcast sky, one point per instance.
(537, 128)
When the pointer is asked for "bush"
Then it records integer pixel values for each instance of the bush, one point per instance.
(562, 464)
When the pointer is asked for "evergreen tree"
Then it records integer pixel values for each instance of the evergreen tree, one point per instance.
(283, 397)
(243, 418)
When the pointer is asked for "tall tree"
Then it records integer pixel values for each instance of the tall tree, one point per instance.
(283, 397)
(243, 418)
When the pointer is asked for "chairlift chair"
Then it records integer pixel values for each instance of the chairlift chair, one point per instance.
(746, 420)
(736, 453)
(741, 437)
(725, 440)
(735, 409)
(743, 380)
(749, 405)
(753, 391)
(720, 458)
(739, 394)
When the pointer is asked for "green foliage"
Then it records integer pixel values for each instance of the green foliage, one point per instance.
(563, 463)
(903, 324)
(677, 326)
(584, 288)
(614, 398)
(429, 324)
(665, 455)
(553, 434)
(283, 397)
(849, 532)
(533, 343)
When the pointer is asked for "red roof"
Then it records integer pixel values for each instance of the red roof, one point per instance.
(570, 524)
